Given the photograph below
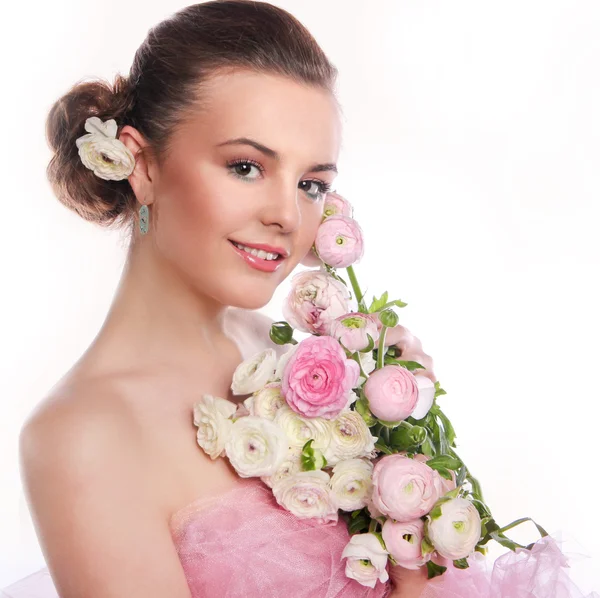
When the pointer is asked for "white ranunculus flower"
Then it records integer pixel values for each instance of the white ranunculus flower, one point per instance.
(266, 401)
(256, 446)
(352, 398)
(457, 530)
(367, 363)
(351, 483)
(307, 494)
(366, 559)
(102, 152)
(350, 438)
(278, 375)
(212, 416)
(291, 464)
(426, 396)
(300, 429)
(254, 373)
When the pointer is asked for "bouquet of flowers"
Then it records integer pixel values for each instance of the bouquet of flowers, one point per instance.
(347, 423)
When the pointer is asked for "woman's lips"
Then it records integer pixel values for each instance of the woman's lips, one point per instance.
(256, 262)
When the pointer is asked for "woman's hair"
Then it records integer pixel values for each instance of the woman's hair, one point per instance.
(164, 87)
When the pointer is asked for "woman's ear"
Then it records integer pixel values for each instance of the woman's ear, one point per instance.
(144, 175)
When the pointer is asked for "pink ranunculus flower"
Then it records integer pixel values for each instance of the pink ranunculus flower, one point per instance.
(392, 393)
(335, 204)
(318, 378)
(339, 241)
(403, 541)
(404, 488)
(410, 349)
(314, 301)
(426, 395)
(352, 330)
(444, 484)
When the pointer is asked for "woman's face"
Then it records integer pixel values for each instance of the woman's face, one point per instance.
(213, 190)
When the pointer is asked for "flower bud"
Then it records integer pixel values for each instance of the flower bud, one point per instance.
(388, 318)
(404, 437)
(281, 333)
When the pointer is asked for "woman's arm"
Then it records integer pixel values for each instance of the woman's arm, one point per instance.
(100, 532)
(407, 583)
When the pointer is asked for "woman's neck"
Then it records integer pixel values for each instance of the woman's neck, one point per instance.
(156, 317)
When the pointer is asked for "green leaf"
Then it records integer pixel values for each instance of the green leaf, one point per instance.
(445, 461)
(358, 525)
(540, 529)
(389, 424)
(475, 487)
(427, 448)
(362, 406)
(371, 345)
(504, 541)
(409, 365)
(383, 448)
(400, 303)
(482, 509)
(436, 511)
(461, 475)
(380, 538)
(426, 547)
(438, 390)
(311, 459)
(377, 304)
(434, 570)
(448, 427)
(406, 436)
(445, 473)
(461, 563)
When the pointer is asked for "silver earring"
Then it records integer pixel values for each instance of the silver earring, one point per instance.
(144, 219)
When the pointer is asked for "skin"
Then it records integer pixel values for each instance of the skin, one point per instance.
(110, 454)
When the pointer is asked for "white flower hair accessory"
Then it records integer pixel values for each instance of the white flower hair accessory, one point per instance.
(102, 152)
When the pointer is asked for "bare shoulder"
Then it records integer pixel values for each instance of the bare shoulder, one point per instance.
(78, 416)
(255, 325)
(94, 512)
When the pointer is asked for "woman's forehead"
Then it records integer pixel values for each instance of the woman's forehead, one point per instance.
(277, 112)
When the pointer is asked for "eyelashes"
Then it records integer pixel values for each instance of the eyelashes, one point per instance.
(323, 186)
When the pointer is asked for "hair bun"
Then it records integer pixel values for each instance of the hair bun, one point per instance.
(77, 187)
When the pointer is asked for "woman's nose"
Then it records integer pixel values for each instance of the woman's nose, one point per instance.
(282, 207)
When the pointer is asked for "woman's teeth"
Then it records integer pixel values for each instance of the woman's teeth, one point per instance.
(265, 255)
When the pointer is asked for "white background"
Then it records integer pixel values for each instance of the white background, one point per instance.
(471, 154)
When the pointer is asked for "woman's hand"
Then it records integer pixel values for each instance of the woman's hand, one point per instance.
(407, 583)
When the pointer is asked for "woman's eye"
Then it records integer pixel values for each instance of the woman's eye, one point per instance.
(319, 189)
(241, 168)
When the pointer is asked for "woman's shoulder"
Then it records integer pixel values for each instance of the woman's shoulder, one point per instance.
(251, 329)
(76, 419)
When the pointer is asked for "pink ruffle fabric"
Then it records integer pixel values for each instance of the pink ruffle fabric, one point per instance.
(244, 545)
(537, 573)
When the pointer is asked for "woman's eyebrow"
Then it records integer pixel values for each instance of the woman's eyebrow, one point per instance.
(273, 154)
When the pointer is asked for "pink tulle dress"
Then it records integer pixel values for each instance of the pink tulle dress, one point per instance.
(242, 544)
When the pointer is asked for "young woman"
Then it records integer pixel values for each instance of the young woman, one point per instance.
(221, 145)
(230, 115)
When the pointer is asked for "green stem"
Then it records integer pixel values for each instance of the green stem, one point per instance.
(381, 347)
(355, 357)
(357, 292)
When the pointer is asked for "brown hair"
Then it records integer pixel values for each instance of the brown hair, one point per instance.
(168, 70)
